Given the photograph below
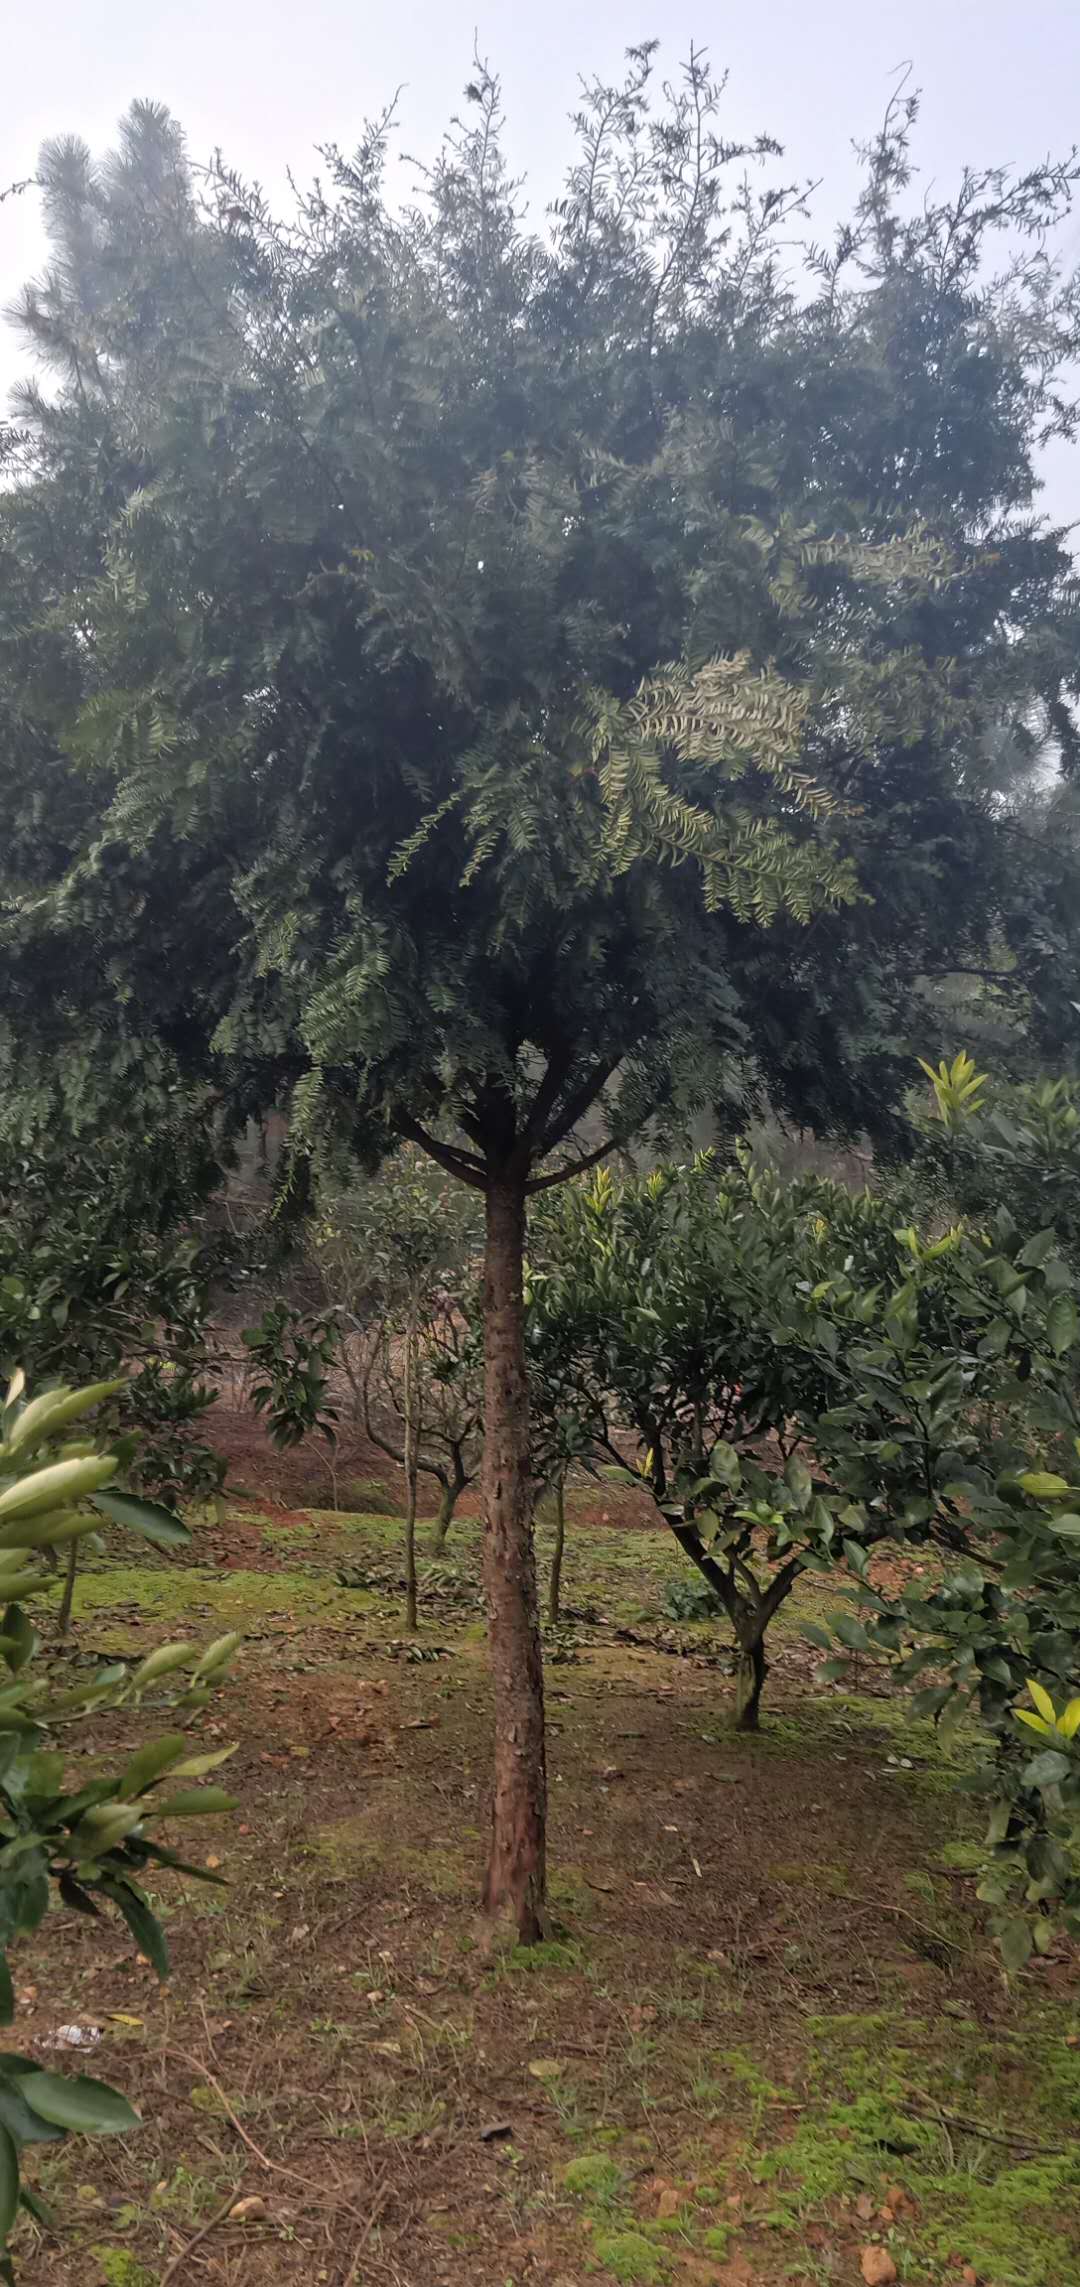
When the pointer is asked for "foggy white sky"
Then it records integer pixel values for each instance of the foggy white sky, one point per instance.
(268, 80)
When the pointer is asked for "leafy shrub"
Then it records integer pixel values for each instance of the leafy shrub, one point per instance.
(105, 1268)
(293, 1351)
(90, 1842)
(690, 1600)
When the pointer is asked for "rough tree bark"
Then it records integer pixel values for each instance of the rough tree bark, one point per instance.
(516, 1871)
(555, 1577)
(450, 1490)
(750, 1670)
(749, 1622)
(410, 1476)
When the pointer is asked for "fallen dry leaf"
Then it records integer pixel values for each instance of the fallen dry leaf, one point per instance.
(877, 2267)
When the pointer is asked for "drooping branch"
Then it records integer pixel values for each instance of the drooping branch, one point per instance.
(463, 1164)
(569, 1168)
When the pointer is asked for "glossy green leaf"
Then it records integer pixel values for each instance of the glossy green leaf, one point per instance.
(149, 1518)
(1043, 1485)
(50, 1412)
(852, 1633)
(197, 1766)
(150, 1762)
(196, 1802)
(16, 2115)
(218, 1653)
(163, 1662)
(1047, 1769)
(1015, 1941)
(54, 1486)
(141, 1921)
(1061, 1324)
(75, 2102)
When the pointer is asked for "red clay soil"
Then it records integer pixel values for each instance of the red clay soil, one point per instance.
(366, 1478)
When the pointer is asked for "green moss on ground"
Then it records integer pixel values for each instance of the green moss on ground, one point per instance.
(596, 2179)
(119, 2268)
(179, 1596)
(631, 2258)
(892, 2097)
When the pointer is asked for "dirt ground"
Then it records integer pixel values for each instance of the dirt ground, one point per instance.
(767, 2040)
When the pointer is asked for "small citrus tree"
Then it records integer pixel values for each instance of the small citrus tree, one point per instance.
(963, 1437)
(667, 1319)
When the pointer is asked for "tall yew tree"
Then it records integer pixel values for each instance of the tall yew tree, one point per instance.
(455, 674)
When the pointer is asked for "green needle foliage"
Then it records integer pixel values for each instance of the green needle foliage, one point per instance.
(453, 671)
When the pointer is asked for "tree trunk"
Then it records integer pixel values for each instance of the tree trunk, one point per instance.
(68, 1597)
(444, 1515)
(555, 1577)
(750, 1670)
(410, 1476)
(516, 1868)
(452, 1490)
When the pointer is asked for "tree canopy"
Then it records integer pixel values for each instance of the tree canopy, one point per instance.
(430, 645)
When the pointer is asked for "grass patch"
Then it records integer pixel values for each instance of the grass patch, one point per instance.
(551, 1953)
